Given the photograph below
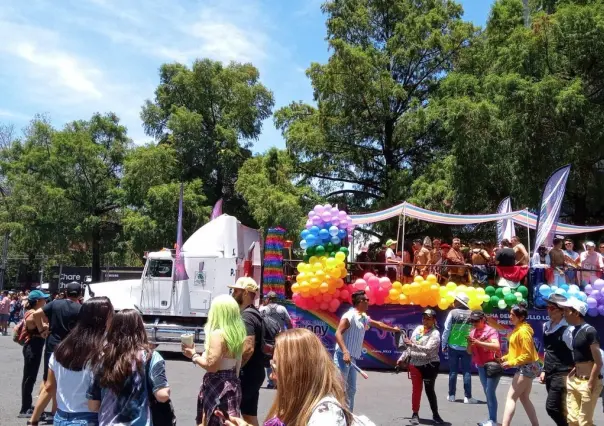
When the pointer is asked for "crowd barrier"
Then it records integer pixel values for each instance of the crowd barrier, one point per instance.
(379, 348)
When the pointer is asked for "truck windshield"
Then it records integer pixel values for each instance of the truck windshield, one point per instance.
(161, 268)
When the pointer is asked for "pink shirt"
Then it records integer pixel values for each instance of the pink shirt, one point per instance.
(5, 306)
(481, 355)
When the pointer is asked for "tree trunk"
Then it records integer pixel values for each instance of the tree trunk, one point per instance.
(96, 256)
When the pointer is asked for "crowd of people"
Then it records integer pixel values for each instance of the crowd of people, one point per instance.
(477, 262)
(100, 369)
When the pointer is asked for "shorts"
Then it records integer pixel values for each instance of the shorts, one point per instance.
(4, 317)
(47, 356)
(250, 390)
(531, 370)
(63, 418)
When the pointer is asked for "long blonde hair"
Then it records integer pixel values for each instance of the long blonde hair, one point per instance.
(305, 374)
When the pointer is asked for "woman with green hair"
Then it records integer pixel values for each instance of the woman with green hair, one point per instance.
(224, 336)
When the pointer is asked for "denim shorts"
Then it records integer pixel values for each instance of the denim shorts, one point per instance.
(63, 418)
(531, 370)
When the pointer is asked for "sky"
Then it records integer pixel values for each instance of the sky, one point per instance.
(71, 58)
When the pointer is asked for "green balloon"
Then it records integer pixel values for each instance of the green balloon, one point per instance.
(510, 299)
(306, 258)
(490, 290)
(499, 293)
(487, 308)
(523, 290)
(329, 247)
(332, 254)
(311, 251)
(344, 250)
(319, 251)
(494, 301)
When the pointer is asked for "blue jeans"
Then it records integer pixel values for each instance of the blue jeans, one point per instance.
(63, 418)
(350, 377)
(489, 384)
(455, 357)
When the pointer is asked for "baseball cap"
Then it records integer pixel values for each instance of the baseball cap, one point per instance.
(477, 316)
(390, 242)
(556, 299)
(429, 313)
(73, 288)
(36, 295)
(245, 283)
(271, 295)
(590, 244)
(575, 304)
(462, 298)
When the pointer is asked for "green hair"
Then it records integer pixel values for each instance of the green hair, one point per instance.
(225, 316)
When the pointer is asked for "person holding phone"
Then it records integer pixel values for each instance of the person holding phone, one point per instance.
(221, 387)
(484, 346)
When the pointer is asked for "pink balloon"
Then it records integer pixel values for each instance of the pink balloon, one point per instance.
(326, 216)
(335, 221)
(318, 298)
(344, 294)
(381, 293)
(311, 214)
(324, 306)
(319, 209)
(344, 223)
(385, 283)
(367, 276)
(342, 214)
(327, 297)
(380, 301)
(373, 281)
(308, 224)
(327, 207)
(334, 211)
(316, 220)
(334, 304)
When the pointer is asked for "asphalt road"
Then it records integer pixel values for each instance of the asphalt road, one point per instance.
(385, 397)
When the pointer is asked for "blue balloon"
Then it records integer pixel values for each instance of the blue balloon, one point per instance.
(304, 234)
(564, 286)
(545, 290)
(561, 292)
(341, 234)
(335, 240)
(581, 296)
(324, 234)
(574, 288)
(315, 230)
(333, 231)
(303, 245)
(311, 240)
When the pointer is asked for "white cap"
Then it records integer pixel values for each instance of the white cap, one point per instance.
(590, 244)
(575, 304)
(462, 298)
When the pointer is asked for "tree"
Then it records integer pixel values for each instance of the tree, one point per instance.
(151, 188)
(209, 114)
(371, 132)
(64, 185)
(267, 184)
(524, 101)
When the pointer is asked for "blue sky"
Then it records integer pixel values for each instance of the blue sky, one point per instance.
(71, 58)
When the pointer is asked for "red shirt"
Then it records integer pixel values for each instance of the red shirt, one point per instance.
(480, 355)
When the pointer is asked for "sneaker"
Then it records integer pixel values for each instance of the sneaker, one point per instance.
(47, 417)
(25, 414)
(451, 398)
(438, 420)
(414, 419)
(487, 423)
(470, 401)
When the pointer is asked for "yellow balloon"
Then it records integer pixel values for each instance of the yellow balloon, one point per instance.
(300, 277)
(461, 288)
(330, 263)
(406, 289)
(320, 274)
(313, 260)
(434, 288)
(304, 286)
(324, 288)
(397, 285)
(295, 288)
(443, 291)
(340, 256)
(315, 283)
(431, 278)
(451, 286)
(301, 266)
(418, 279)
(414, 288)
(443, 304)
(480, 291)
(394, 293)
(403, 300)
(317, 266)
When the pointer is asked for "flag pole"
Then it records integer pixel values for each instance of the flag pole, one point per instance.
(528, 234)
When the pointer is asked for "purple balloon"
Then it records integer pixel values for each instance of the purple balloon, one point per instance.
(308, 224)
(588, 289)
(334, 211)
(327, 207)
(342, 214)
(593, 312)
(326, 216)
(311, 214)
(601, 309)
(592, 303)
(596, 294)
(343, 223)
(599, 284)
(319, 209)
(335, 221)
(316, 220)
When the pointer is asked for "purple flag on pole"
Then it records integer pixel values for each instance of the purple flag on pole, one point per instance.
(217, 210)
(180, 271)
(505, 227)
(549, 211)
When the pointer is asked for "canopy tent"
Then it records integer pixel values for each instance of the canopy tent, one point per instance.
(521, 217)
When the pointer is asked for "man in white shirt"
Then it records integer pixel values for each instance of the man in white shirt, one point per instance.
(391, 271)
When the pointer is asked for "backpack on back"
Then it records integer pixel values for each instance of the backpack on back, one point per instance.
(271, 327)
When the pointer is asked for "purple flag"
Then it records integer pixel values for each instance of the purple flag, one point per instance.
(217, 210)
(180, 271)
(549, 211)
(505, 227)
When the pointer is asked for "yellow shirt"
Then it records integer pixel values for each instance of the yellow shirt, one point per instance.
(521, 348)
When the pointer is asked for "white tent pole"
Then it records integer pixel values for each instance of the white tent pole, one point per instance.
(398, 230)
(528, 234)
(403, 237)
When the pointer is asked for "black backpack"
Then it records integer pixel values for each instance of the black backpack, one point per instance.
(271, 327)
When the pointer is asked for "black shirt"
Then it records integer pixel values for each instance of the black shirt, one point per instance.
(505, 257)
(558, 357)
(62, 315)
(252, 318)
(583, 337)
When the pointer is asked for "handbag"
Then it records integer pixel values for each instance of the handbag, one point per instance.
(493, 369)
(162, 413)
(403, 362)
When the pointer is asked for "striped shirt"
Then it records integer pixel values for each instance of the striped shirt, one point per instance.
(355, 334)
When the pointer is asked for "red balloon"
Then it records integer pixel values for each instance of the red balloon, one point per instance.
(327, 297)
(334, 305)
(344, 294)
(373, 282)
(324, 306)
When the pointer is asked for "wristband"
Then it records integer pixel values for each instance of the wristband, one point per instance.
(194, 357)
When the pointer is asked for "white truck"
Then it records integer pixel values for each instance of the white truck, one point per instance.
(215, 256)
